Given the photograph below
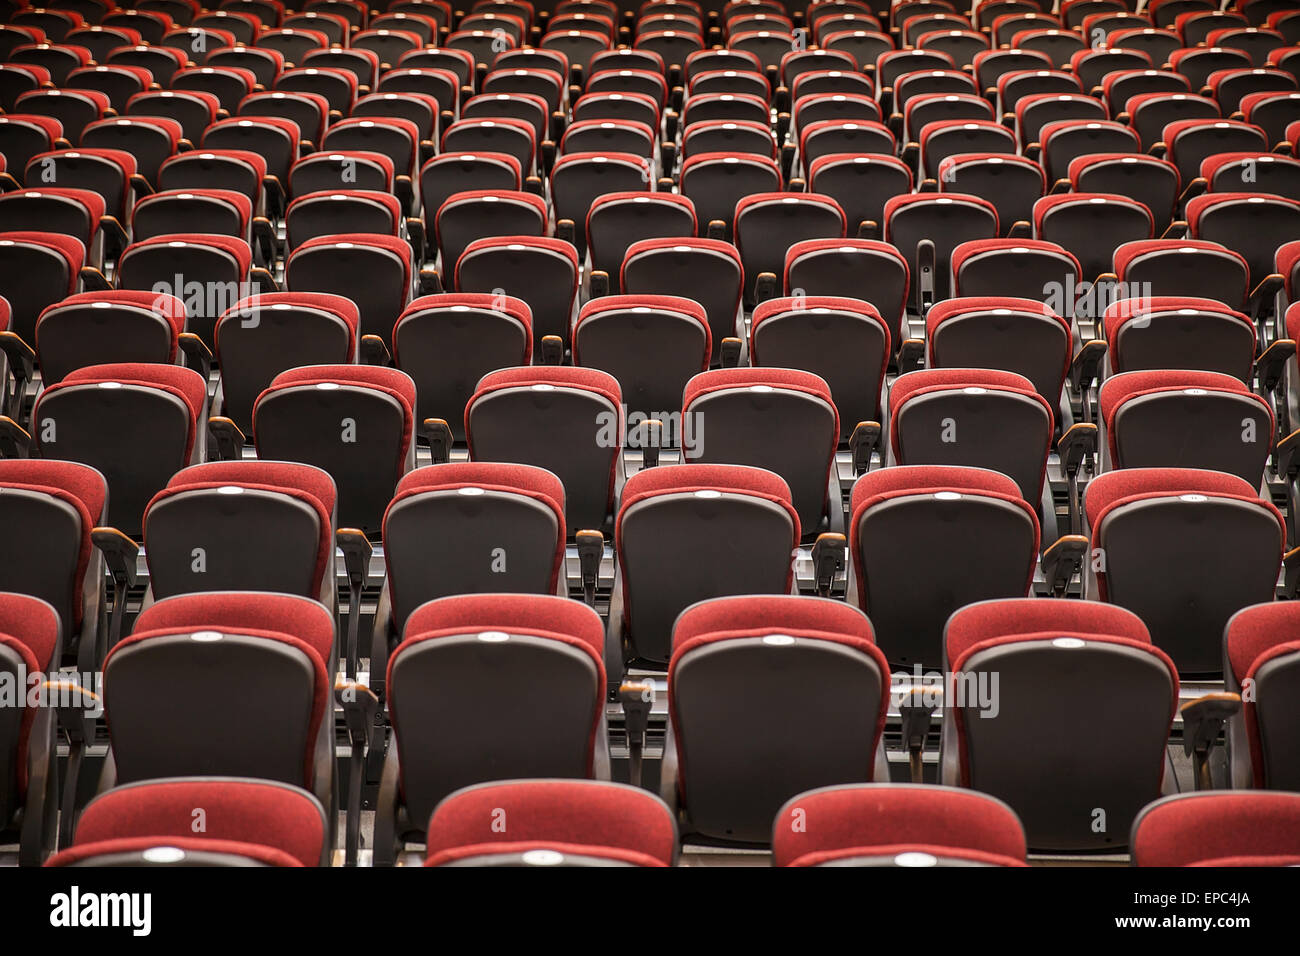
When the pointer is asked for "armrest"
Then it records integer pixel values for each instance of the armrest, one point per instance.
(1291, 573)
(360, 706)
(374, 351)
(120, 554)
(438, 434)
(356, 550)
(404, 190)
(415, 235)
(1272, 364)
(1177, 230)
(197, 353)
(869, 229)
(1077, 444)
(1087, 364)
(1195, 188)
(263, 279)
(552, 350)
(22, 360)
(651, 440)
(730, 350)
(15, 442)
(140, 186)
(1020, 230)
(228, 437)
(1203, 721)
(264, 239)
(1062, 560)
(637, 698)
(911, 355)
(1060, 187)
(916, 708)
(598, 284)
(566, 230)
(115, 238)
(92, 280)
(765, 287)
(1262, 296)
(274, 195)
(430, 281)
(591, 548)
(925, 284)
(829, 558)
(717, 229)
(862, 443)
(1079, 441)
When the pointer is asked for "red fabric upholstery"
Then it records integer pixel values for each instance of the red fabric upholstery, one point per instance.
(880, 819)
(168, 306)
(30, 628)
(304, 483)
(781, 306)
(984, 621)
(236, 248)
(1045, 206)
(865, 247)
(298, 622)
(1255, 636)
(665, 303)
(340, 306)
(729, 479)
(538, 615)
(1200, 827)
(1118, 389)
(592, 380)
(93, 202)
(68, 248)
(930, 381)
(257, 161)
(543, 244)
(1112, 489)
(1198, 207)
(1127, 252)
(900, 481)
(1121, 313)
(242, 811)
(960, 660)
(390, 381)
(390, 202)
(267, 856)
(759, 199)
(79, 485)
(803, 618)
(392, 244)
(1127, 485)
(965, 251)
(243, 205)
(896, 204)
(571, 621)
(942, 312)
(568, 815)
(182, 382)
(472, 851)
(304, 619)
(517, 309)
(526, 480)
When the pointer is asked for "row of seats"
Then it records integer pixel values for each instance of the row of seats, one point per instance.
(965, 313)
(786, 670)
(968, 457)
(562, 823)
